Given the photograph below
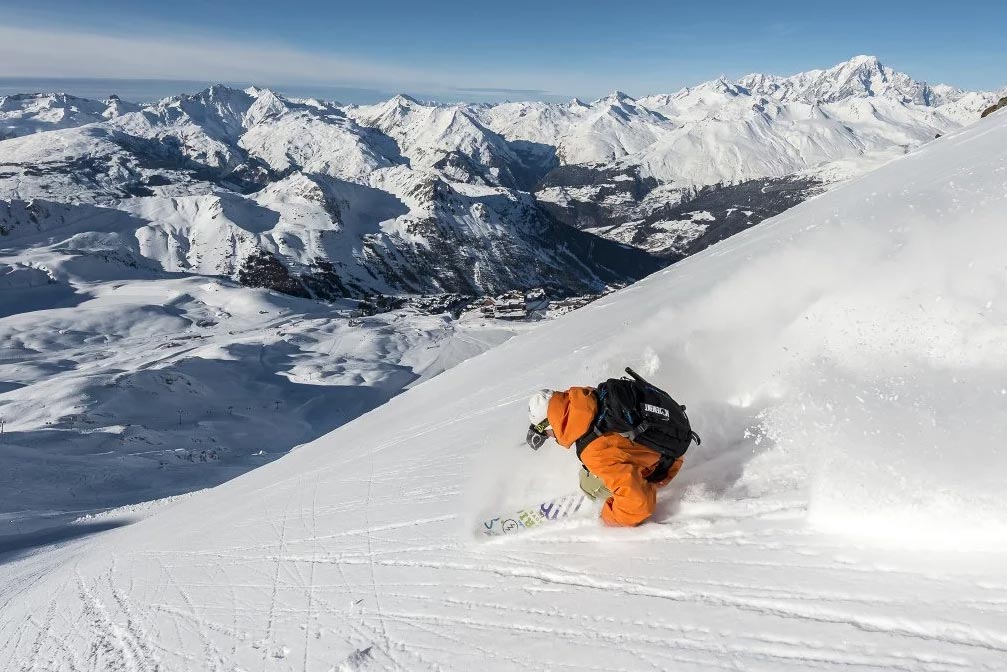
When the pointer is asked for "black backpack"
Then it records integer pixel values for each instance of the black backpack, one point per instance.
(644, 414)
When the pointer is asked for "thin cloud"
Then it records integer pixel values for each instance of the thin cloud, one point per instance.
(59, 51)
(501, 90)
(47, 52)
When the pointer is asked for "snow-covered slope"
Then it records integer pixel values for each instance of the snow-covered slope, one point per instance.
(845, 365)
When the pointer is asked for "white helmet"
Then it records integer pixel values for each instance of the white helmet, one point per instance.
(538, 406)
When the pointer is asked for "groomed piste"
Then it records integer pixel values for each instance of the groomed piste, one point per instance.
(846, 364)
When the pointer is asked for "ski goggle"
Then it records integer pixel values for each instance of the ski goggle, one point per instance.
(536, 435)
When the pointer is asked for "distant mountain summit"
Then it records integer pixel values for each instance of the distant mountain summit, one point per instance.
(859, 77)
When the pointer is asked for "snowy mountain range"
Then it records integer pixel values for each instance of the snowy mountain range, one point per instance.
(318, 199)
(137, 243)
(844, 362)
(862, 76)
(217, 182)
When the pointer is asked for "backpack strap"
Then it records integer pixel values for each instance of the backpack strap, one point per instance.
(594, 433)
(587, 438)
(661, 469)
(667, 461)
(637, 431)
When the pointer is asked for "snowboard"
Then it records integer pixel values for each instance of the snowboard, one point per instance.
(575, 504)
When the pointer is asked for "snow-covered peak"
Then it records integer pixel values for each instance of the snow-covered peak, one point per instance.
(720, 86)
(217, 96)
(388, 114)
(616, 98)
(222, 105)
(943, 94)
(404, 100)
(618, 104)
(863, 61)
(25, 114)
(451, 139)
(116, 107)
(865, 77)
(219, 110)
(267, 105)
(860, 77)
(697, 102)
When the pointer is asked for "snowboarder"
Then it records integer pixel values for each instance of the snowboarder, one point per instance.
(617, 466)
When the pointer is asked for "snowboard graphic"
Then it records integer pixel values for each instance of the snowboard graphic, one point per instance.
(550, 511)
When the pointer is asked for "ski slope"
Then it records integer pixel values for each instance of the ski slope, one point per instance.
(845, 363)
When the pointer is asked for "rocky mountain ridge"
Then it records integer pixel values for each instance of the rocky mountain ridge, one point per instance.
(319, 199)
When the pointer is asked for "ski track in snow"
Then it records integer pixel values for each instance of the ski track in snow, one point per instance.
(510, 604)
(716, 591)
(701, 594)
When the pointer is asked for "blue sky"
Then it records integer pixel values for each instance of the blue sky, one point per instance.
(453, 49)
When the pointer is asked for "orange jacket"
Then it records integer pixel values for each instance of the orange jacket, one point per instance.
(620, 463)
